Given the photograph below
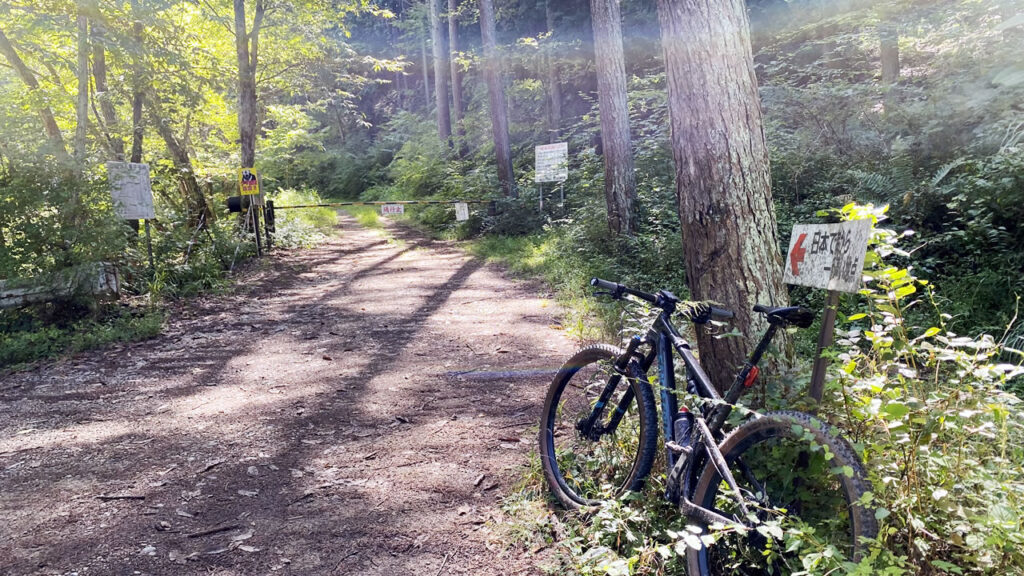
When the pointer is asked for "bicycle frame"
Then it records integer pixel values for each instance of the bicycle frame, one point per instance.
(664, 339)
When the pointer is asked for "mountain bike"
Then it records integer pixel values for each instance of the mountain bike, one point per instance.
(743, 488)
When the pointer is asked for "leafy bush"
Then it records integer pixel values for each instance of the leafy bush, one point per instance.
(301, 227)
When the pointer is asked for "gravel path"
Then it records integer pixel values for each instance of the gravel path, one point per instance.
(359, 408)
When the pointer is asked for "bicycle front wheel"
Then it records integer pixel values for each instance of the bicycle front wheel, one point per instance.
(586, 460)
(801, 484)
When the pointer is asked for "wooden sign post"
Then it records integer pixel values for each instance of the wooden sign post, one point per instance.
(831, 257)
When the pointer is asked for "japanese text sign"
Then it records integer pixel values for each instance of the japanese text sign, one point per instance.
(829, 256)
(552, 162)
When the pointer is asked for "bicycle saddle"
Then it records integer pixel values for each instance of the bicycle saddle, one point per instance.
(787, 315)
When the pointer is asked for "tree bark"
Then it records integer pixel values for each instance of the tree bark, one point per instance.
(444, 120)
(426, 72)
(50, 128)
(554, 86)
(199, 213)
(619, 180)
(889, 47)
(82, 107)
(453, 47)
(99, 73)
(138, 84)
(496, 98)
(247, 50)
(723, 186)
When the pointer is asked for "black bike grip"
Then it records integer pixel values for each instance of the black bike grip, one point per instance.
(606, 285)
(761, 308)
(721, 313)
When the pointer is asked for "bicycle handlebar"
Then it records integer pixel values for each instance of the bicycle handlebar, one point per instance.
(665, 300)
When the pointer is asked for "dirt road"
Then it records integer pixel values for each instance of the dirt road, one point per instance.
(353, 409)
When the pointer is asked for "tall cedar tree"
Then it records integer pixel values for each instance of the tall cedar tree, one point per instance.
(554, 87)
(723, 187)
(453, 47)
(496, 94)
(444, 122)
(619, 180)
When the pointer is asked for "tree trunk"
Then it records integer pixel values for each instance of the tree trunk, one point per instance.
(496, 97)
(138, 84)
(50, 128)
(554, 86)
(82, 107)
(426, 72)
(199, 213)
(453, 47)
(247, 50)
(889, 47)
(99, 73)
(444, 120)
(619, 180)
(723, 186)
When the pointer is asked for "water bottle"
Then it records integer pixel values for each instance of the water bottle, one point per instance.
(683, 426)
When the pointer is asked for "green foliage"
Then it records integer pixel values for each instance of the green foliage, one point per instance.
(26, 337)
(301, 227)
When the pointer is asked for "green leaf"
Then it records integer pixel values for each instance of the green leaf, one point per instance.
(930, 332)
(882, 513)
(856, 317)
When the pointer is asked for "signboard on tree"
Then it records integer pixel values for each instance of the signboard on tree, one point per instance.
(248, 182)
(552, 162)
(131, 190)
(828, 256)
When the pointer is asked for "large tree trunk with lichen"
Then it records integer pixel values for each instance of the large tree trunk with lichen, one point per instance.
(619, 180)
(496, 98)
(723, 186)
(444, 120)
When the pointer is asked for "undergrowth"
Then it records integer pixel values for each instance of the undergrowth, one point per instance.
(927, 409)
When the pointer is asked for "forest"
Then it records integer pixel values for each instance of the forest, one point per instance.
(780, 112)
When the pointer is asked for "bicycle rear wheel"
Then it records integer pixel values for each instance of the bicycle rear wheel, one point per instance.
(582, 469)
(794, 473)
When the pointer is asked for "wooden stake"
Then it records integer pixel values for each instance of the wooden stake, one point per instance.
(828, 324)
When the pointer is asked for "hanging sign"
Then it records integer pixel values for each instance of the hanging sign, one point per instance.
(461, 211)
(131, 190)
(248, 182)
(392, 209)
(828, 256)
(552, 162)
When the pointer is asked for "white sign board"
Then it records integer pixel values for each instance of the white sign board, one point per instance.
(829, 256)
(390, 209)
(131, 190)
(552, 162)
(461, 211)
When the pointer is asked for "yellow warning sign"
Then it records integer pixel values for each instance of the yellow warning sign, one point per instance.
(248, 182)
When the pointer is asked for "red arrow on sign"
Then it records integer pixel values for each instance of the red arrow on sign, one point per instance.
(797, 255)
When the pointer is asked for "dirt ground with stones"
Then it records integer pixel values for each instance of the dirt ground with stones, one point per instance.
(358, 408)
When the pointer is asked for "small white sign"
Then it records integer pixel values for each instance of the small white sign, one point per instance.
(829, 256)
(131, 190)
(461, 211)
(392, 209)
(552, 162)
